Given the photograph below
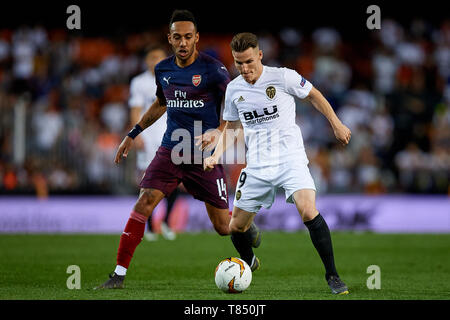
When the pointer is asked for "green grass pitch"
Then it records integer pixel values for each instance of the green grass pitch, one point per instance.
(413, 266)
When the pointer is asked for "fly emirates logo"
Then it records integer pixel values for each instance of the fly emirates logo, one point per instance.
(181, 101)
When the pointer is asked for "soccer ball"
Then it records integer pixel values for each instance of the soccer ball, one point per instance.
(233, 275)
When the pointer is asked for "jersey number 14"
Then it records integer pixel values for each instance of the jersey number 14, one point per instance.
(222, 189)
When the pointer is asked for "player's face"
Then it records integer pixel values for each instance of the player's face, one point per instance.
(249, 64)
(153, 58)
(183, 37)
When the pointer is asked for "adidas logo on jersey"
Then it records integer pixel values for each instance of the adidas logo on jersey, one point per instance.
(241, 99)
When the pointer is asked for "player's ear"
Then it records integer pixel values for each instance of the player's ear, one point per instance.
(197, 37)
(260, 54)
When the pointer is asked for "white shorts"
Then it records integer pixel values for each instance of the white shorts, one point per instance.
(257, 188)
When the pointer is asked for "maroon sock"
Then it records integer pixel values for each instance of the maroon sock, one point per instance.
(130, 238)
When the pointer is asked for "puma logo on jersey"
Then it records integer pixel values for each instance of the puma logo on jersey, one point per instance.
(167, 79)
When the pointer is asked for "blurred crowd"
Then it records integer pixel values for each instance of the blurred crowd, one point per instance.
(391, 89)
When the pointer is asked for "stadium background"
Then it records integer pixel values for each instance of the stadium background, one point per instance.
(63, 111)
(63, 96)
(391, 87)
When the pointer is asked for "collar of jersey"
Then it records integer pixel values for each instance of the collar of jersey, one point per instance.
(180, 68)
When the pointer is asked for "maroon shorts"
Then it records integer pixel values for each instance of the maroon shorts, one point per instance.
(208, 186)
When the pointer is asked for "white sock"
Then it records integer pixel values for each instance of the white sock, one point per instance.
(253, 261)
(120, 271)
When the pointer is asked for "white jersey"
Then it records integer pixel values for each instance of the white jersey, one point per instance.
(266, 110)
(143, 94)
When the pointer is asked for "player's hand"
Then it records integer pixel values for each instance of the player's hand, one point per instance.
(208, 140)
(342, 133)
(123, 149)
(209, 163)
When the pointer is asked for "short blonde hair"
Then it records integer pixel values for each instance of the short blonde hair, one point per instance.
(243, 41)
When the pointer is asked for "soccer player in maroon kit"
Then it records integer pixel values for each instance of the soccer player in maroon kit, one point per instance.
(190, 88)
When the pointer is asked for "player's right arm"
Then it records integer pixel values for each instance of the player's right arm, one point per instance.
(232, 130)
(153, 113)
(220, 77)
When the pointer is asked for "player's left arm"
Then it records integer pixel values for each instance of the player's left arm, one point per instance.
(342, 133)
(208, 140)
(232, 132)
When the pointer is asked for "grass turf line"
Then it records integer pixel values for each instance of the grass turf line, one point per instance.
(413, 267)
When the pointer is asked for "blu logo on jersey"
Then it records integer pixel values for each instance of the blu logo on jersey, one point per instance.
(254, 114)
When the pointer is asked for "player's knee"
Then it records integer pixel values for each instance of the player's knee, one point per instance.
(143, 209)
(234, 228)
(222, 229)
(308, 211)
(146, 203)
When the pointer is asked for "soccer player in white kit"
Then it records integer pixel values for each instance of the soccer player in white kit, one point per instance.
(142, 95)
(261, 101)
